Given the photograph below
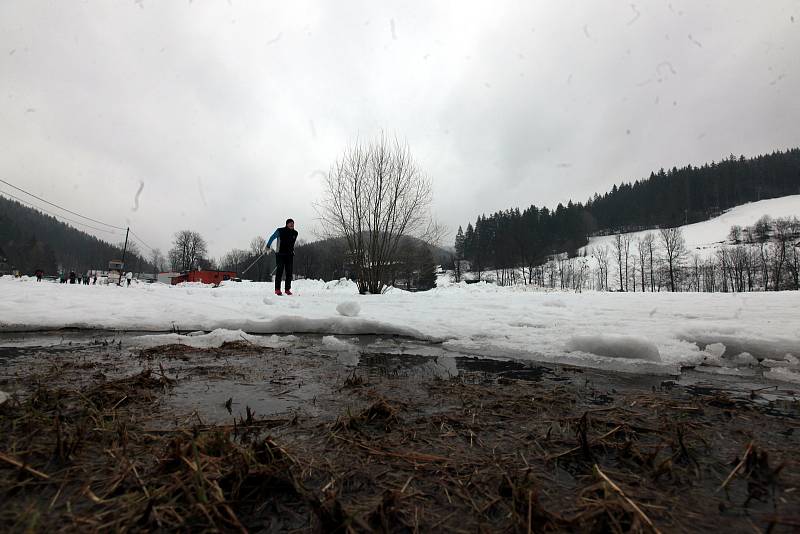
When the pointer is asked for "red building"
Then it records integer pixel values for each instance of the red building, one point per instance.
(206, 277)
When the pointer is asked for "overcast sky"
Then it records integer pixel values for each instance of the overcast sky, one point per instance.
(229, 113)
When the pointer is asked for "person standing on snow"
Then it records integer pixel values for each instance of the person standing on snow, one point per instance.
(284, 254)
(129, 277)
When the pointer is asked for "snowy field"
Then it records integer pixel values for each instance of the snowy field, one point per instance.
(704, 238)
(630, 332)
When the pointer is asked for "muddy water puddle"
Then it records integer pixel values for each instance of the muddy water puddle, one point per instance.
(302, 374)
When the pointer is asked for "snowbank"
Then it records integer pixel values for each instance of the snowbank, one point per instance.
(653, 333)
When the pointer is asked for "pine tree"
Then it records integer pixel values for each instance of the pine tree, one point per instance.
(460, 244)
(469, 243)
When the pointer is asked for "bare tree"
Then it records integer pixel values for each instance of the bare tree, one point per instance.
(760, 232)
(784, 231)
(735, 235)
(601, 253)
(674, 250)
(374, 195)
(641, 249)
(158, 260)
(235, 260)
(132, 249)
(793, 264)
(627, 243)
(581, 273)
(188, 248)
(648, 241)
(622, 245)
(258, 248)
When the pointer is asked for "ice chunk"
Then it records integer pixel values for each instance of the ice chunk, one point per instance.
(713, 354)
(716, 350)
(334, 343)
(760, 347)
(615, 346)
(214, 339)
(789, 362)
(783, 374)
(745, 358)
(348, 308)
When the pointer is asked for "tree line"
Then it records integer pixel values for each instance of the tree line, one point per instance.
(31, 240)
(518, 245)
(692, 194)
(761, 257)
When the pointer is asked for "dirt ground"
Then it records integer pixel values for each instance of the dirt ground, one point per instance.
(244, 438)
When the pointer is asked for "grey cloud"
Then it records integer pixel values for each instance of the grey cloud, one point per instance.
(231, 114)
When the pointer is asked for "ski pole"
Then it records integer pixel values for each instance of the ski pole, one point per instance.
(256, 261)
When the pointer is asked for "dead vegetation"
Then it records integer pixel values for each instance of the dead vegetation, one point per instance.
(472, 453)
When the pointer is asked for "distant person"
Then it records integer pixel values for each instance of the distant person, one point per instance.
(72, 277)
(129, 277)
(39, 273)
(284, 254)
(94, 280)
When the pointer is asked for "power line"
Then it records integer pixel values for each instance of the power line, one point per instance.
(27, 203)
(60, 207)
(141, 240)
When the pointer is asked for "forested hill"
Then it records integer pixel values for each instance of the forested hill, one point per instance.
(692, 194)
(31, 240)
(666, 198)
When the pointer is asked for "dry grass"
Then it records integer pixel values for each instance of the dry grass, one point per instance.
(468, 454)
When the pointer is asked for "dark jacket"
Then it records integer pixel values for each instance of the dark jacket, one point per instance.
(286, 238)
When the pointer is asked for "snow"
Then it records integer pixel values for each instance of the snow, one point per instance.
(704, 238)
(631, 332)
(3, 397)
(348, 309)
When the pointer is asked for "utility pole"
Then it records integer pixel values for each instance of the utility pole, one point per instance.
(124, 250)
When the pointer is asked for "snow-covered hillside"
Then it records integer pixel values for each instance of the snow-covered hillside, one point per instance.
(641, 332)
(704, 238)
